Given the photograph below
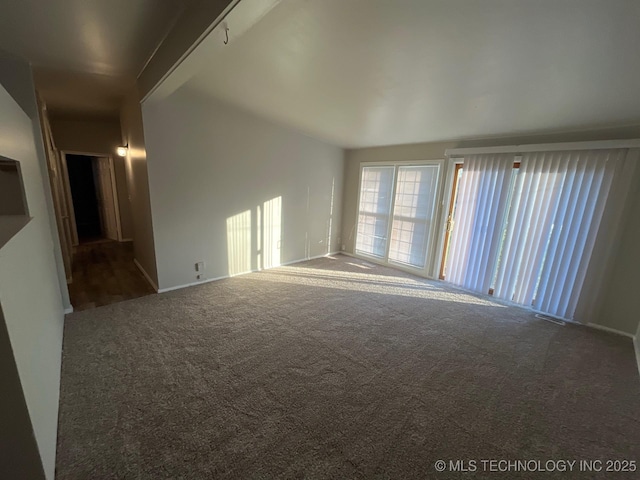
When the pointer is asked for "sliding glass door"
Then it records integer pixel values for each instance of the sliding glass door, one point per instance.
(396, 213)
(525, 231)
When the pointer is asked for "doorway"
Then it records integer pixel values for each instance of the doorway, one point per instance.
(93, 198)
(103, 266)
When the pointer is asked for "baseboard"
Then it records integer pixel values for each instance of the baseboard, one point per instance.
(610, 330)
(126, 240)
(304, 260)
(68, 310)
(193, 284)
(145, 274)
(208, 280)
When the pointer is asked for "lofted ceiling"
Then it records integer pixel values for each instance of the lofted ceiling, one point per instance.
(377, 72)
(86, 53)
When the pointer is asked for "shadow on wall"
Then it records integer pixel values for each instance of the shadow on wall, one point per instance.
(19, 456)
(255, 237)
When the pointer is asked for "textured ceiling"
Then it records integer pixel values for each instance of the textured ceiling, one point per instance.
(377, 72)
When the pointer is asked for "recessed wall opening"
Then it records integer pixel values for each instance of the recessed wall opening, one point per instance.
(14, 214)
(12, 197)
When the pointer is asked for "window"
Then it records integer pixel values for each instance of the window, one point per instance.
(396, 211)
(375, 206)
(413, 214)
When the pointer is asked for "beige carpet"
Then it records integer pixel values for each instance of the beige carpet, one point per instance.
(335, 368)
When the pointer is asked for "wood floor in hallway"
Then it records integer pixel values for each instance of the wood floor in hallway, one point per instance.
(104, 273)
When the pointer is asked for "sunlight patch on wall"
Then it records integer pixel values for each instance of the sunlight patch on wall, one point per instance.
(239, 243)
(330, 222)
(271, 232)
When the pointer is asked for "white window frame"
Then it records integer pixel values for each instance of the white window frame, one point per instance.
(433, 234)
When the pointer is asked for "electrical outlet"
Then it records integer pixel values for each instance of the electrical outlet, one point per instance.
(343, 247)
(200, 267)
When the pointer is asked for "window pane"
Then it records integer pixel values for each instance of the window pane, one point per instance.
(416, 188)
(374, 210)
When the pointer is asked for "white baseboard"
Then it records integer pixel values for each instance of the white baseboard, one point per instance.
(68, 310)
(610, 330)
(193, 284)
(146, 275)
(304, 260)
(208, 280)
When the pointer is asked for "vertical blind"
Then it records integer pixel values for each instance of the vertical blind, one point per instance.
(532, 238)
(482, 199)
(553, 223)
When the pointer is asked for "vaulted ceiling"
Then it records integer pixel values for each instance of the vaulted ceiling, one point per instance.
(86, 53)
(376, 72)
(358, 72)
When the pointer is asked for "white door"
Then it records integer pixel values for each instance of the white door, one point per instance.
(106, 198)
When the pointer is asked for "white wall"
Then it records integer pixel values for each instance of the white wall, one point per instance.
(30, 292)
(138, 185)
(228, 188)
(194, 20)
(19, 455)
(100, 137)
(618, 306)
(621, 305)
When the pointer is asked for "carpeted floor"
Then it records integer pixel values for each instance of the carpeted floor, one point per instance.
(336, 368)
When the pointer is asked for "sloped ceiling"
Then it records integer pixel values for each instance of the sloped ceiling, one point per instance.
(377, 72)
(86, 53)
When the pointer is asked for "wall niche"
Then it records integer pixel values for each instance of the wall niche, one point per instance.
(12, 197)
(14, 214)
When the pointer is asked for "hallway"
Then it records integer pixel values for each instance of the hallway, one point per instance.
(104, 273)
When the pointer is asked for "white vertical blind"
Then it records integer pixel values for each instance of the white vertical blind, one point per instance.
(413, 210)
(482, 198)
(553, 223)
(612, 225)
(376, 189)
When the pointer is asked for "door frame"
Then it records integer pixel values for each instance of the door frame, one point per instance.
(114, 188)
(59, 199)
(451, 193)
